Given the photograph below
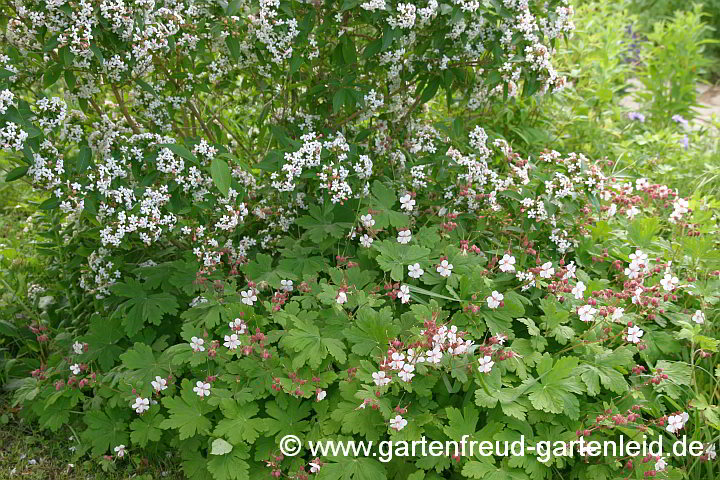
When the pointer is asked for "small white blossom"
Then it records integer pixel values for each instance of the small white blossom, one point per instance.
(407, 202)
(507, 263)
(494, 299)
(415, 271)
(202, 388)
(159, 384)
(485, 364)
(232, 342)
(404, 294)
(398, 423)
(445, 268)
(248, 297)
(197, 344)
(141, 405)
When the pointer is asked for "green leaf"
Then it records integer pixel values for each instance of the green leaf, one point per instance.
(351, 468)
(16, 173)
(220, 172)
(311, 348)
(394, 257)
(146, 429)
(143, 366)
(383, 199)
(553, 393)
(141, 306)
(371, 330)
(231, 466)
(431, 89)
(239, 423)
(106, 429)
(187, 414)
(220, 447)
(102, 338)
(321, 224)
(179, 150)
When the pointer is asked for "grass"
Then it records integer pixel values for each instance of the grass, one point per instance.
(30, 454)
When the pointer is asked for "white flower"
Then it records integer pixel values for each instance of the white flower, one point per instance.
(547, 270)
(120, 451)
(579, 290)
(341, 298)
(485, 364)
(232, 341)
(676, 422)
(367, 221)
(494, 299)
(238, 325)
(445, 268)
(618, 314)
(398, 423)
(710, 452)
(586, 313)
(415, 271)
(507, 263)
(634, 334)
(397, 361)
(366, 240)
(435, 355)
(406, 373)
(698, 317)
(380, 379)
(632, 211)
(669, 282)
(321, 395)
(286, 285)
(75, 368)
(500, 339)
(141, 405)
(248, 296)
(159, 384)
(404, 237)
(314, 467)
(660, 464)
(197, 344)
(202, 388)
(404, 294)
(78, 348)
(407, 202)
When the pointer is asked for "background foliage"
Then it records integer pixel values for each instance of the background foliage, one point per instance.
(296, 347)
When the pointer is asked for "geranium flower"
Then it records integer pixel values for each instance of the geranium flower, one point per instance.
(407, 202)
(507, 263)
(398, 423)
(634, 334)
(141, 405)
(202, 388)
(232, 342)
(494, 299)
(197, 344)
(485, 364)
(248, 297)
(415, 271)
(404, 236)
(159, 384)
(380, 378)
(445, 268)
(404, 294)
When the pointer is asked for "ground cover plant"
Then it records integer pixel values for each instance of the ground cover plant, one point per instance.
(268, 218)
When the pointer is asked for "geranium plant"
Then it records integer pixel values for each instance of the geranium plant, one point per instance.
(286, 218)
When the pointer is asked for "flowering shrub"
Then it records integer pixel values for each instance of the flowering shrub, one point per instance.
(259, 227)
